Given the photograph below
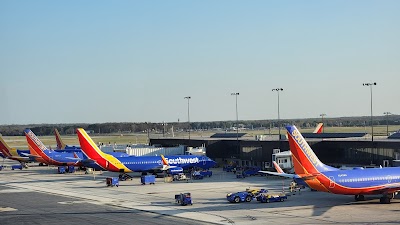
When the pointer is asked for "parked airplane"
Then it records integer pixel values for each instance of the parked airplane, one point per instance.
(13, 153)
(137, 163)
(70, 156)
(61, 146)
(50, 157)
(357, 182)
(319, 128)
(60, 143)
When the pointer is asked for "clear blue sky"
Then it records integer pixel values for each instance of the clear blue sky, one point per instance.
(135, 61)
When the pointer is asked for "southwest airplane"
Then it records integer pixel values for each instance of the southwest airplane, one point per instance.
(61, 146)
(50, 157)
(137, 163)
(357, 182)
(13, 153)
(68, 156)
(60, 143)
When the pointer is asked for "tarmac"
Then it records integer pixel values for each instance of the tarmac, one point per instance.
(39, 195)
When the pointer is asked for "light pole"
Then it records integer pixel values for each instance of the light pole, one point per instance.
(279, 118)
(322, 115)
(387, 122)
(188, 98)
(370, 88)
(237, 122)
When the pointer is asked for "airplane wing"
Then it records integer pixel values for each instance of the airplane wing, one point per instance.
(308, 176)
(29, 156)
(389, 188)
(287, 175)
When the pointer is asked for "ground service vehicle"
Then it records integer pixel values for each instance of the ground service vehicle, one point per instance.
(237, 197)
(264, 197)
(183, 199)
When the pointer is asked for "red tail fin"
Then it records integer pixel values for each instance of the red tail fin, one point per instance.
(4, 148)
(88, 146)
(319, 128)
(90, 149)
(304, 159)
(60, 143)
(36, 147)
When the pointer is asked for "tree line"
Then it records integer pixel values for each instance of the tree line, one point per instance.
(126, 127)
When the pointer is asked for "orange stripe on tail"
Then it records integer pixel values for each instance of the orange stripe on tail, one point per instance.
(60, 143)
(277, 167)
(4, 148)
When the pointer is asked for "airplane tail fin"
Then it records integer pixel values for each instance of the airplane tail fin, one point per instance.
(165, 163)
(319, 128)
(277, 167)
(60, 143)
(4, 148)
(304, 159)
(36, 147)
(89, 148)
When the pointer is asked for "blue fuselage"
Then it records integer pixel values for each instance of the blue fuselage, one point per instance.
(365, 178)
(151, 163)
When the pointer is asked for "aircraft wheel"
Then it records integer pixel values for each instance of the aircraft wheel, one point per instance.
(392, 195)
(248, 198)
(359, 197)
(236, 199)
(384, 200)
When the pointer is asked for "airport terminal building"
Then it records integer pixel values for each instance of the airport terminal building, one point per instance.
(357, 151)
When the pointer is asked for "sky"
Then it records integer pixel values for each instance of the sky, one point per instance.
(134, 61)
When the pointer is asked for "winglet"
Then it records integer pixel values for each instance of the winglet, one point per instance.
(277, 167)
(75, 155)
(164, 163)
(60, 143)
(319, 128)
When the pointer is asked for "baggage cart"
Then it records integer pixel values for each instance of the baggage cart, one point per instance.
(183, 199)
(61, 169)
(71, 169)
(112, 181)
(18, 166)
(148, 179)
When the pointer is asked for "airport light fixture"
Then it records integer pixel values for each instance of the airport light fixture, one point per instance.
(188, 99)
(323, 125)
(237, 121)
(387, 122)
(370, 88)
(279, 118)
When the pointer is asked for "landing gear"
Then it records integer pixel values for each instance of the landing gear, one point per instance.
(359, 197)
(385, 199)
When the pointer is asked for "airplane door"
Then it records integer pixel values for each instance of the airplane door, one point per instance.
(389, 179)
(331, 182)
(204, 160)
(385, 163)
(106, 164)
